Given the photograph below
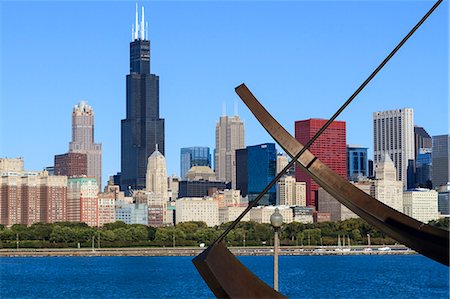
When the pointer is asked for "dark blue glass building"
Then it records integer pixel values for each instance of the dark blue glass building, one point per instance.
(424, 168)
(193, 156)
(142, 129)
(261, 169)
(357, 164)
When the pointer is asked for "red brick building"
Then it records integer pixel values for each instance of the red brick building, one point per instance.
(330, 148)
(71, 164)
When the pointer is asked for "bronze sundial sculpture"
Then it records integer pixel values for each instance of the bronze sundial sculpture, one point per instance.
(227, 277)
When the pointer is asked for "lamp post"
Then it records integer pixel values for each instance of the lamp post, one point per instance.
(276, 220)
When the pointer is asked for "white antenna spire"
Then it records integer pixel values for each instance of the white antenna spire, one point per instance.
(142, 24)
(146, 31)
(235, 108)
(137, 25)
(224, 109)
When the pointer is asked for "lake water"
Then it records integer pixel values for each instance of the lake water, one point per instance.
(388, 276)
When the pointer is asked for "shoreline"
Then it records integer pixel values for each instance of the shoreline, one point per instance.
(193, 251)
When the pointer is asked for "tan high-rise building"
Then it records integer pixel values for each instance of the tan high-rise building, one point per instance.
(229, 138)
(83, 140)
(282, 161)
(156, 178)
(290, 192)
(393, 133)
(28, 197)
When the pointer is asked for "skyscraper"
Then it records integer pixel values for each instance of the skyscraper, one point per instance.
(83, 140)
(330, 148)
(157, 175)
(142, 129)
(229, 138)
(193, 156)
(441, 160)
(393, 133)
(421, 140)
(357, 165)
(261, 169)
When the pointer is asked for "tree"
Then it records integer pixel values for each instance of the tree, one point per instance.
(115, 225)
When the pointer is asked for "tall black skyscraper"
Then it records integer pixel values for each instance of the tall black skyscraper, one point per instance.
(142, 129)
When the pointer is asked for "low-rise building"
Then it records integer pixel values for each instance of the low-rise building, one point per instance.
(197, 209)
(421, 204)
(131, 213)
(227, 214)
(303, 214)
(262, 214)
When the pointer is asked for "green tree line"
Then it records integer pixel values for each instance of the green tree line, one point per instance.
(119, 234)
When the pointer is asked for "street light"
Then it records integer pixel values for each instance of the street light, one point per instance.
(276, 220)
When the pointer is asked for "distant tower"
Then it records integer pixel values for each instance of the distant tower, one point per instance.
(142, 128)
(393, 133)
(229, 138)
(83, 140)
(157, 175)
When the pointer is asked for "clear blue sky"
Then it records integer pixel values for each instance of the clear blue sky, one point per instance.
(301, 59)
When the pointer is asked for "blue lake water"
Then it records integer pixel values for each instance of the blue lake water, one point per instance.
(175, 277)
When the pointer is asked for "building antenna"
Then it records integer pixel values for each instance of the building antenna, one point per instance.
(146, 31)
(142, 24)
(132, 32)
(224, 109)
(137, 25)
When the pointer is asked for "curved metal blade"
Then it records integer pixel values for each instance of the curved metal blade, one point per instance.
(227, 277)
(423, 238)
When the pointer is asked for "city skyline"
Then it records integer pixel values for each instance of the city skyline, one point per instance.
(305, 56)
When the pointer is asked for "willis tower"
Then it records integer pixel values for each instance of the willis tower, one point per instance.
(142, 129)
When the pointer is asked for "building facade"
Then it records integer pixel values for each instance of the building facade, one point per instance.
(441, 160)
(393, 133)
(421, 204)
(71, 165)
(142, 129)
(200, 188)
(28, 197)
(193, 156)
(261, 169)
(82, 200)
(229, 138)
(131, 213)
(386, 187)
(197, 209)
(357, 162)
(422, 140)
(83, 140)
(330, 148)
(444, 200)
(106, 208)
(157, 175)
(242, 171)
(262, 214)
(290, 192)
(424, 168)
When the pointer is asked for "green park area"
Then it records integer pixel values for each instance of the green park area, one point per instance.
(119, 234)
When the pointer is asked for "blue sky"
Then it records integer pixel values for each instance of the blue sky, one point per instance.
(301, 59)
